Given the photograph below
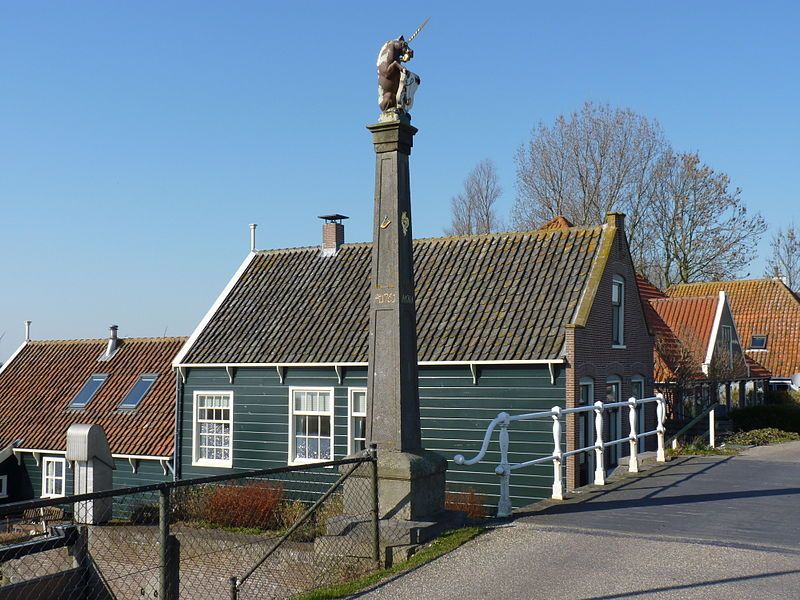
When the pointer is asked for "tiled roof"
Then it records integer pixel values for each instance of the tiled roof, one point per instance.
(488, 297)
(689, 320)
(559, 222)
(760, 307)
(42, 379)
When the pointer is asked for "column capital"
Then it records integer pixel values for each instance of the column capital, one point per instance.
(392, 136)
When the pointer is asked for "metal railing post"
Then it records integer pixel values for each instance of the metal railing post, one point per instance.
(558, 488)
(376, 531)
(234, 589)
(163, 542)
(504, 469)
(712, 425)
(660, 411)
(633, 459)
(599, 461)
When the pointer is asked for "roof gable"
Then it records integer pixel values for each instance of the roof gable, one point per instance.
(491, 297)
(760, 307)
(37, 386)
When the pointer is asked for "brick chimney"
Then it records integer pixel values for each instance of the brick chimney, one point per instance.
(332, 233)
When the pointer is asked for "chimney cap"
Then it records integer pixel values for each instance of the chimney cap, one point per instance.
(334, 218)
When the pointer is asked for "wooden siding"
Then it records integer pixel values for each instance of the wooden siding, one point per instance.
(454, 413)
(25, 480)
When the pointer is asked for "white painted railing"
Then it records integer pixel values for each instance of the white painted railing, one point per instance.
(504, 420)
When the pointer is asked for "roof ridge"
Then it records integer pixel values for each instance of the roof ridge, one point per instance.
(104, 340)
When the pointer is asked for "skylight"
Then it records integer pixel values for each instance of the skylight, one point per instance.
(88, 390)
(758, 342)
(138, 391)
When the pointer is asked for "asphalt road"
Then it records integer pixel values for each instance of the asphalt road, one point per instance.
(705, 527)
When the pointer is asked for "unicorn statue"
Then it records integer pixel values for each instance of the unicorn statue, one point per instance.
(396, 83)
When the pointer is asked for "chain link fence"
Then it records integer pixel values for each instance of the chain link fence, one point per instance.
(262, 534)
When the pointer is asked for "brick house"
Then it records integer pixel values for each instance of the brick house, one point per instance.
(767, 314)
(698, 354)
(275, 373)
(125, 385)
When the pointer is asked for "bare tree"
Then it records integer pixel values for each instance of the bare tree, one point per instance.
(683, 222)
(785, 259)
(700, 229)
(473, 208)
(596, 160)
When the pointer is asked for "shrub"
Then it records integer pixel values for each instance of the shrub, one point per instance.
(763, 437)
(778, 416)
(470, 502)
(144, 514)
(254, 504)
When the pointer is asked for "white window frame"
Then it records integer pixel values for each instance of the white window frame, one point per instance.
(293, 460)
(640, 409)
(616, 415)
(197, 461)
(63, 462)
(586, 382)
(3, 486)
(621, 322)
(352, 414)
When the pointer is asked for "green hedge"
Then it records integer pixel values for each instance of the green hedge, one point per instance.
(780, 416)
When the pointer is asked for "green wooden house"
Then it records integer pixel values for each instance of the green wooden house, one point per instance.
(275, 373)
(127, 386)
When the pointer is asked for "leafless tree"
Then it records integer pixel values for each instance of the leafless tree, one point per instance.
(785, 259)
(596, 160)
(473, 208)
(683, 222)
(700, 230)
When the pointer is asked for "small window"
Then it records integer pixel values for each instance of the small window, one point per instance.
(3, 486)
(758, 342)
(213, 429)
(727, 343)
(310, 424)
(53, 477)
(358, 420)
(89, 389)
(617, 312)
(587, 391)
(138, 391)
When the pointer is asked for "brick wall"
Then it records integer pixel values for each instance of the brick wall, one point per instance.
(590, 353)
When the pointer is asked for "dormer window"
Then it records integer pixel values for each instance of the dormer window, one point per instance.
(89, 389)
(758, 342)
(617, 312)
(138, 391)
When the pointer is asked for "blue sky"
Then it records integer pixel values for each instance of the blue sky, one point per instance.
(139, 140)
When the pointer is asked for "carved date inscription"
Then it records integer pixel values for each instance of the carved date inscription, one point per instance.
(386, 298)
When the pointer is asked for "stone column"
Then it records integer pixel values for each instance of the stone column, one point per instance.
(411, 479)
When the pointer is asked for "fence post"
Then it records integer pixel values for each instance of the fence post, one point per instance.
(712, 425)
(504, 469)
(660, 410)
(163, 542)
(173, 567)
(558, 488)
(599, 462)
(234, 590)
(633, 459)
(376, 531)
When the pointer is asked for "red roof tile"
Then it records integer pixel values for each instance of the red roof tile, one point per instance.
(760, 307)
(559, 222)
(38, 384)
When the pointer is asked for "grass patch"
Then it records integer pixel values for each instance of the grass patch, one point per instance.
(445, 543)
(698, 448)
(763, 437)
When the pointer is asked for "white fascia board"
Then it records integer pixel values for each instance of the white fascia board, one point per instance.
(63, 452)
(12, 357)
(715, 328)
(333, 365)
(212, 311)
